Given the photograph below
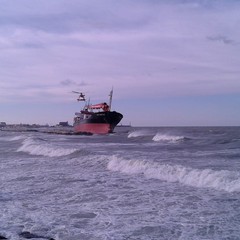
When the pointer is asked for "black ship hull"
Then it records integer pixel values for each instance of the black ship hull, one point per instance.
(97, 123)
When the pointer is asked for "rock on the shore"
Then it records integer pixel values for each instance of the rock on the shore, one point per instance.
(2, 237)
(29, 235)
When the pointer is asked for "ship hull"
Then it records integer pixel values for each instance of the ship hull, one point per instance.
(98, 123)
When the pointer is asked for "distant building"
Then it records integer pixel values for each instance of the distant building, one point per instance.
(63, 124)
(3, 124)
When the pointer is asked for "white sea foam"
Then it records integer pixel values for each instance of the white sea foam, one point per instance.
(167, 138)
(139, 133)
(34, 147)
(207, 178)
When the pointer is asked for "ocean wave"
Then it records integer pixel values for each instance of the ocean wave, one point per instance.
(167, 138)
(34, 147)
(202, 178)
(140, 133)
(16, 138)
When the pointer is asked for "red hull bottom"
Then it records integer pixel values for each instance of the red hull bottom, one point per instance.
(95, 128)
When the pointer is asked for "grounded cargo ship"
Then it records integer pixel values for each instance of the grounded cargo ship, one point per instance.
(97, 118)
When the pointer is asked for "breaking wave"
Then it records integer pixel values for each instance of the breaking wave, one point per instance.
(167, 138)
(11, 139)
(203, 178)
(16, 138)
(139, 133)
(34, 147)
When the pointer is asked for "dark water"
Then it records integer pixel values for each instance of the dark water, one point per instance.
(139, 183)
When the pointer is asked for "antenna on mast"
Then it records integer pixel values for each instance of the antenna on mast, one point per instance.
(110, 99)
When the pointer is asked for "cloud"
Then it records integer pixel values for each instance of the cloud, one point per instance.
(61, 16)
(147, 50)
(69, 82)
(135, 46)
(222, 39)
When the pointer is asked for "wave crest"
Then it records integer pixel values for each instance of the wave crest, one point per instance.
(202, 178)
(167, 138)
(16, 138)
(139, 133)
(43, 149)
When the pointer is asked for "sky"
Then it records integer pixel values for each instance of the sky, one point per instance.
(170, 62)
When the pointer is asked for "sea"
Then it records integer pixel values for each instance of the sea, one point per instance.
(139, 183)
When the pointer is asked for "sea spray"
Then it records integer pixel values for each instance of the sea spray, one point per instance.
(207, 178)
(140, 133)
(167, 138)
(34, 147)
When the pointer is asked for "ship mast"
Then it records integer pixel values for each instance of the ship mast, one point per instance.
(110, 99)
